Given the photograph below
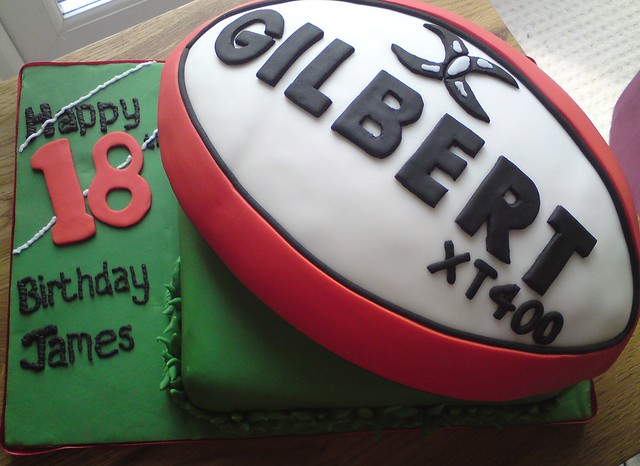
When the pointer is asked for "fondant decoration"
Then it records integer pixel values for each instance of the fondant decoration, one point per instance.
(109, 178)
(82, 117)
(332, 211)
(78, 226)
(47, 125)
(72, 221)
(217, 330)
(33, 295)
(370, 105)
(54, 351)
(450, 262)
(454, 69)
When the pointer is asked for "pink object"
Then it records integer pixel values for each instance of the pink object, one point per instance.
(625, 136)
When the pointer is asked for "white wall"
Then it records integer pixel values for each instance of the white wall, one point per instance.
(34, 30)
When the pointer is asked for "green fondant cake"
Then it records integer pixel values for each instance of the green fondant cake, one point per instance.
(248, 371)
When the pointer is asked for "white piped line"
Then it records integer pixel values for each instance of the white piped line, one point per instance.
(126, 162)
(36, 237)
(152, 138)
(80, 100)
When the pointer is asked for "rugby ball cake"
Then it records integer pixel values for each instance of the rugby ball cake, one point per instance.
(353, 215)
(407, 191)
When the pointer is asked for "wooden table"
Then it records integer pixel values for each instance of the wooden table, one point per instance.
(612, 437)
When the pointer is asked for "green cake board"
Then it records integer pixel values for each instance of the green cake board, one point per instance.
(112, 393)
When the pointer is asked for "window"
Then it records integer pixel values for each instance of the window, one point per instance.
(43, 30)
(71, 7)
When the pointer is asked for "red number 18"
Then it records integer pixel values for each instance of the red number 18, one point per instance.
(73, 223)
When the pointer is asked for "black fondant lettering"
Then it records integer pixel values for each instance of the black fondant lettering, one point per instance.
(102, 111)
(33, 120)
(304, 90)
(62, 352)
(67, 122)
(121, 282)
(81, 279)
(503, 296)
(102, 283)
(125, 334)
(79, 337)
(58, 352)
(450, 262)
(64, 281)
(516, 322)
(105, 338)
(435, 152)
(39, 336)
(51, 284)
(451, 72)
(484, 271)
(488, 205)
(286, 54)
(28, 289)
(43, 292)
(34, 294)
(135, 116)
(370, 104)
(143, 286)
(570, 237)
(82, 123)
(548, 328)
(251, 45)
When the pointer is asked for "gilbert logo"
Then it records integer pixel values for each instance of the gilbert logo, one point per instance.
(457, 64)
